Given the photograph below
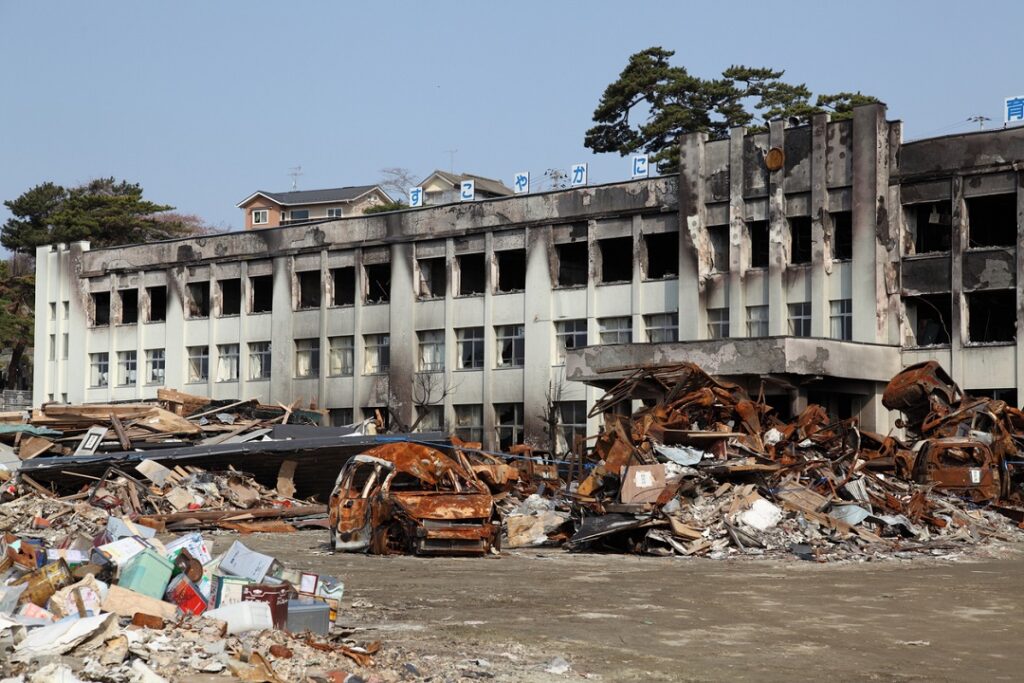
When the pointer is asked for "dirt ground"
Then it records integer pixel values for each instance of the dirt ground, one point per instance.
(627, 618)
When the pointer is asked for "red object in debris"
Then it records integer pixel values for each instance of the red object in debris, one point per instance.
(185, 595)
(194, 506)
(41, 523)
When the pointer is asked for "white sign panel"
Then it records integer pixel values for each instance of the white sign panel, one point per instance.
(640, 166)
(578, 175)
(467, 191)
(521, 184)
(416, 197)
(1013, 109)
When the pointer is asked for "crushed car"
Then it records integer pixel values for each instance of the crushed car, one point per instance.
(411, 498)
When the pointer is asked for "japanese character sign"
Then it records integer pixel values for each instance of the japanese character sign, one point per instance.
(639, 166)
(467, 191)
(416, 197)
(521, 184)
(1014, 109)
(578, 175)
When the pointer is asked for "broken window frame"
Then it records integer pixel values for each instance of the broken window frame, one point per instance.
(431, 350)
(309, 290)
(100, 309)
(371, 273)
(469, 422)
(431, 418)
(801, 240)
(757, 320)
(341, 417)
(129, 306)
(501, 259)
(479, 285)
(508, 420)
(842, 235)
(573, 418)
(799, 319)
(259, 360)
(841, 319)
(469, 345)
(569, 334)
(337, 276)
(127, 368)
(256, 286)
(1009, 317)
(235, 298)
(718, 323)
(662, 328)
(923, 241)
(429, 269)
(99, 369)
(198, 367)
(197, 308)
(376, 354)
(610, 249)
(615, 329)
(664, 247)
(341, 356)
(156, 366)
(307, 358)
(227, 362)
(575, 276)
(161, 304)
(759, 234)
(941, 307)
(510, 346)
(987, 232)
(718, 242)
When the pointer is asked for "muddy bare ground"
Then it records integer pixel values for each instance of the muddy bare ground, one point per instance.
(627, 618)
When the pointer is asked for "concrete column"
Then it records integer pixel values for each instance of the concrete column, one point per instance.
(282, 339)
(540, 334)
(870, 189)
(635, 296)
(325, 349)
(243, 331)
(778, 237)
(140, 335)
(958, 243)
(41, 369)
(358, 347)
(175, 354)
(487, 391)
(402, 315)
(451, 340)
(739, 252)
(822, 235)
(692, 317)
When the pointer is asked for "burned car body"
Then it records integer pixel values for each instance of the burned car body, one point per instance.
(405, 497)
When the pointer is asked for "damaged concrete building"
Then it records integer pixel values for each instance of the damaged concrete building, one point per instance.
(811, 261)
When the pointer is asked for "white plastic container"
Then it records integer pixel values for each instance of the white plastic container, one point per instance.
(243, 616)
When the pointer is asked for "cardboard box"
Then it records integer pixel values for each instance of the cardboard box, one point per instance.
(641, 484)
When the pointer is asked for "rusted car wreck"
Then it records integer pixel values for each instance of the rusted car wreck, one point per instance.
(410, 498)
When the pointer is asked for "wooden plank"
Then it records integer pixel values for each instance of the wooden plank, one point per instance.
(126, 443)
(32, 446)
(36, 485)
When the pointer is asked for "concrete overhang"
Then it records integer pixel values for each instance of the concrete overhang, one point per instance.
(735, 357)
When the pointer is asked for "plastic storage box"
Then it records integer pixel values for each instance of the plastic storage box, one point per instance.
(147, 573)
(309, 615)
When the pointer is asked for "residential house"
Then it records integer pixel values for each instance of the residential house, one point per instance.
(272, 209)
(441, 187)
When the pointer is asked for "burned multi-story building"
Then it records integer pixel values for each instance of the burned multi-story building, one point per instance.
(810, 261)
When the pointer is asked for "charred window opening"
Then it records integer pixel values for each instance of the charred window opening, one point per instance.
(573, 264)
(992, 221)
(262, 293)
(508, 422)
(472, 274)
(1007, 395)
(100, 309)
(129, 306)
(433, 277)
(309, 288)
(800, 240)
(931, 227)
(991, 316)
(662, 255)
(157, 304)
(344, 280)
(511, 270)
(199, 300)
(842, 235)
(758, 243)
(230, 296)
(378, 283)
(718, 236)
(616, 259)
(930, 318)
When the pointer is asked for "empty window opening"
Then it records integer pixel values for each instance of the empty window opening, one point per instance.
(616, 259)
(100, 309)
(433, 277)
(262, 287)
(157, 303)
(929, 318)
(1007, 395)
(344, 281)
(511, 270)
(718, 236)
(758, 243)
(573, 264)
(472, 276)
(800, 239)
(662, 255)
(991, 316)
(199, 299)
(842, 235)
(230, 296)
(129, 306)
(508, 423)
(378, 283)
(931, 227)
(992, 221)
(309, 288)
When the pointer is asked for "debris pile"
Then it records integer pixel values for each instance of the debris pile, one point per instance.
(702, 469)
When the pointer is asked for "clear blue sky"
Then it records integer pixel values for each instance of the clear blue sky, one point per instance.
(204, 102)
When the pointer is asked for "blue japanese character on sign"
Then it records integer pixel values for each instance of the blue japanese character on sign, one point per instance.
(640, 166)
(521, 182)
(1014, 109)
(578, 175)
(416, 197)
(467, 191)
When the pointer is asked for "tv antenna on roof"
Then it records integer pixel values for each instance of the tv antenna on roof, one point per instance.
(979, 119)
(295, 172)
(451, 159)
